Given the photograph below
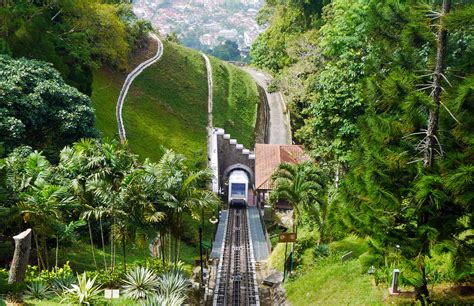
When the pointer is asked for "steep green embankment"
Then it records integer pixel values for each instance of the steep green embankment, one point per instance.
(235, 102)
(329, 281)
(167, 104)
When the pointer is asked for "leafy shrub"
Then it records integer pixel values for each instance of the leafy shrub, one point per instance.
(11, 289)
(58, 283)
(140, 283)
(273, 86)
(367, 260)
(321, 251)
(158, 266)
(160, 300)
(107, 278)
(3, 281)
(173, 284)
(84, 292)
(38, 290)
(305, 241)
(33, 273)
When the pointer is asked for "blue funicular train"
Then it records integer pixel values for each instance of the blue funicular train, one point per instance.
(238, 188)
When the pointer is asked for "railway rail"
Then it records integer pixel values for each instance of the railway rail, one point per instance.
(236, 282)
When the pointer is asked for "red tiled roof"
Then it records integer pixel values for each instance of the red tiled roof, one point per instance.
(269, 156)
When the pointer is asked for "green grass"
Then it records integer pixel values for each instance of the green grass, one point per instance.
(334, 283)
(105, 91)
(80, 258)
(167, 106)
(329, 281)
(235, 102)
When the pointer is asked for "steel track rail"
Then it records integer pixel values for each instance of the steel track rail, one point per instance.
(236, 276)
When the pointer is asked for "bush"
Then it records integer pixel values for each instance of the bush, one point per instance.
(304, 242)
(321, 251)
(107, 278)
(173, 285)
(140, 283)
(3, 281)
(367, 260)
(38, 290)
(160, 300)
(59, 283)
(273, 87)
(33, 273)
(9, 289)
(84, 291)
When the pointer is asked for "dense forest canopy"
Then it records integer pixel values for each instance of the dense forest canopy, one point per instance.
(38, 109)
(75, 35)
(382, 93)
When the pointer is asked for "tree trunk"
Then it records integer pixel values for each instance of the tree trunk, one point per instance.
(321, 233)
(146, 245)
(422, 293)
(46, 254)
(41, 264)
(124, 253)
(322, 226)
(103, 241)
(112, 246)
(432, 128)
(178, 241)
(56, 255)
(92, 242)
(162, 246)
(20, 257)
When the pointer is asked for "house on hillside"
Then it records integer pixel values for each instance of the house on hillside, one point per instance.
(267, 159)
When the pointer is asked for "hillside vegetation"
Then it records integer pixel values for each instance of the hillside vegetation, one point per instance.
(167, 104)
(235, 102)
(380, 94)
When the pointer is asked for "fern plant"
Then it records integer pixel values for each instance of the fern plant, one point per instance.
(84, 292)
(38, 290)
(140, 283)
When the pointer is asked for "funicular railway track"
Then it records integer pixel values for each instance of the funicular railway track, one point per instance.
(236, 277)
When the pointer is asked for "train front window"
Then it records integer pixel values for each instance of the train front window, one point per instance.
(238, 190)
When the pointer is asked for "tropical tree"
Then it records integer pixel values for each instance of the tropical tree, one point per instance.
(38, 109)
(400, 190)
(182, 190)
(75, 36)
(65, 232)
(36, 197)
(300, 185)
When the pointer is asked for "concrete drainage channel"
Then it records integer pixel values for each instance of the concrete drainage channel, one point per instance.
(236, 282)
(128, 81)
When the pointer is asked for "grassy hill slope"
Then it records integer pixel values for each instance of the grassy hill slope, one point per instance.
(235, 102)
(167, 104)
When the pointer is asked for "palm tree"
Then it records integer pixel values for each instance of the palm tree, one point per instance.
(79, 164)
(183, 190)
(299, 184)
(37, 201)
(42, 207)
(97, 171)
(66, 232)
